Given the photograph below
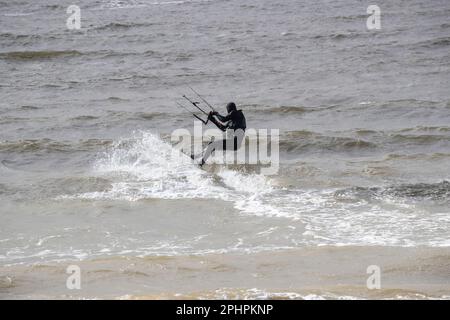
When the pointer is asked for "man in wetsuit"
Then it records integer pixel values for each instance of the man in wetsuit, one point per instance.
(234, 120)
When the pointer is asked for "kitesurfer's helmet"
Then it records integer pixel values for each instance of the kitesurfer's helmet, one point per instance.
(231, 107)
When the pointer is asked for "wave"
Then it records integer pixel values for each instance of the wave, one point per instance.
(411, 101)
(287, 109)
(433, 191)
(398, 103)
(29, 108)
(38, 55)
(352, 17)
(10, 119)
(427, 129)
(122, 26)
(418, 139)
(55, 7)
(112, 53)
(84, 118)
(15, 37)
(149, 115)
(144, 167)
(435, 43)
(136, 115)
(49, 145)
(116, 99)
(305, 140)
(130, 77)
(362, 139)
(338, 36)
(417, 156)
(365, 132)
(418, 191)
(129, 4)
(112, 99)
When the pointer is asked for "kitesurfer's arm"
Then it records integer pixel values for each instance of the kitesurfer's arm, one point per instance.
(219, 125)
(222, 118)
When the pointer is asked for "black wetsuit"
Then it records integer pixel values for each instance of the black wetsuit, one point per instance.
(234, 120)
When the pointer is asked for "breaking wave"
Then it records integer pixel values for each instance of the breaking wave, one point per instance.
(146, 167)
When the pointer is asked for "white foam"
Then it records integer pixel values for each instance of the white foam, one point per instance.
(262, 294)
(146, 167)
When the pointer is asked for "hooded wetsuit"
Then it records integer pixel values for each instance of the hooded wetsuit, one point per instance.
(234, 120)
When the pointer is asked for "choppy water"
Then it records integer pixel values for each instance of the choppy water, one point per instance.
(85, 118)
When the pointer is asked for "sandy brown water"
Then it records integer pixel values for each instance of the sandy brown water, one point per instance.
(316, 273)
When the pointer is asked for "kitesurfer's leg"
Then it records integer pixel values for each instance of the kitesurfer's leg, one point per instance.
(236, 140)
(233, 143)
(212, 146)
